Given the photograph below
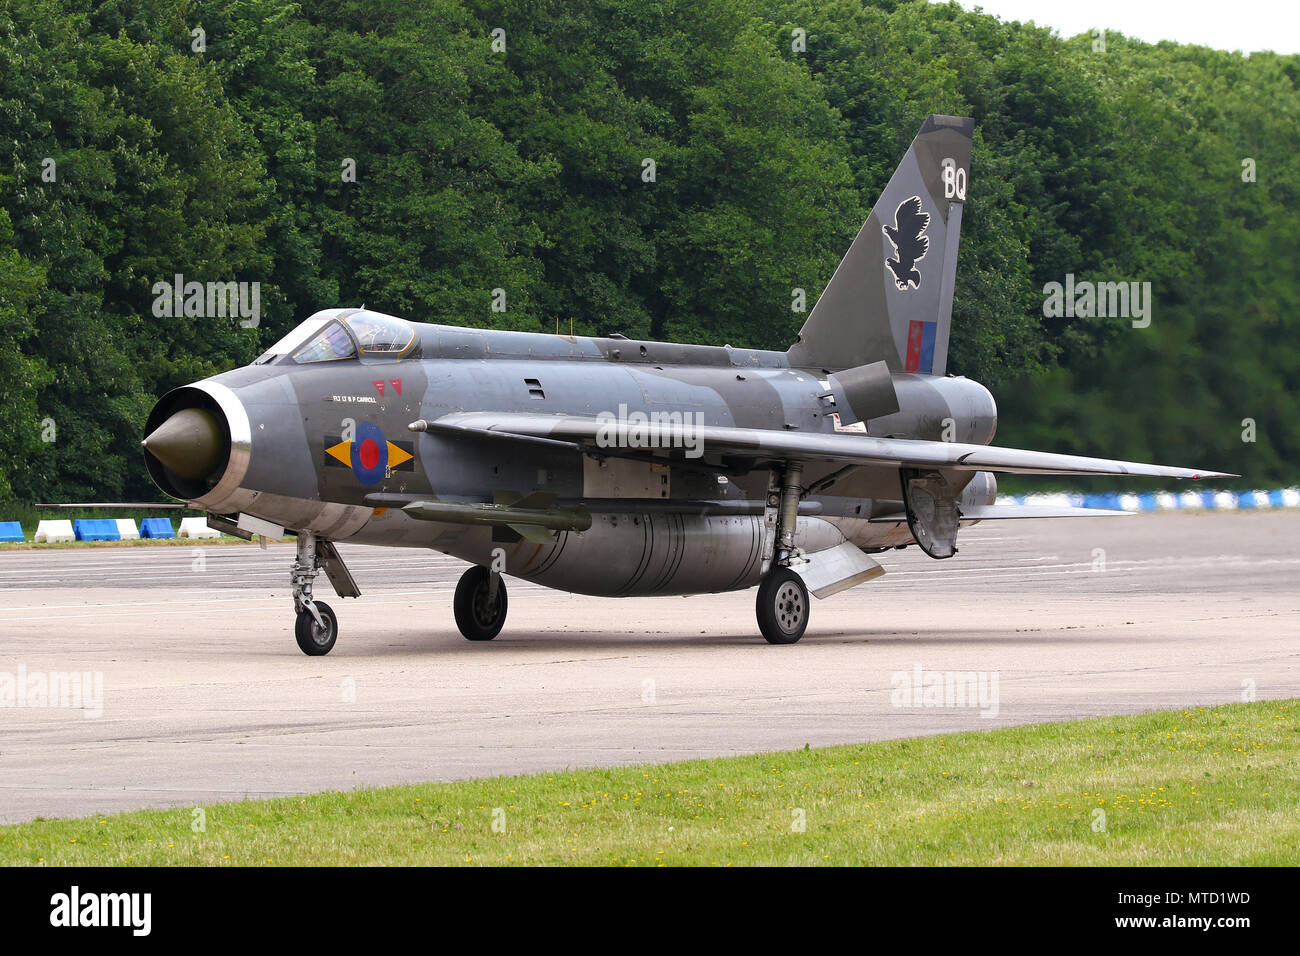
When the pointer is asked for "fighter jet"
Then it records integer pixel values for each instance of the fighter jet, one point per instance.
(614, 467)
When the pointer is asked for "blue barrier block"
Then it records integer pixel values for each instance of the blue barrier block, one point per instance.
(1246, 499)
(1109, 500)
(1146, 502)
(156, 528)
(11, 531)
(96, 529)
(1207, 499)
(1275, 499)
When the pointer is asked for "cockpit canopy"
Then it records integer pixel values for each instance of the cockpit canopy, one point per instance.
(336, 334)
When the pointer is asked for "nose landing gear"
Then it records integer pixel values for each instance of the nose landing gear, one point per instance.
(317, 627)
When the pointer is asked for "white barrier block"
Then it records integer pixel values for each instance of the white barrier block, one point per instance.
(196, 528)
(1165, 501)
(49, 531)
(1225, 501)
(126, 529)
(1130, 503)
(1051, 500)
(1291, 497)
(1191, 499)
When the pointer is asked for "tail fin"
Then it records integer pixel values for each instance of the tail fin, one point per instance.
(891, 296)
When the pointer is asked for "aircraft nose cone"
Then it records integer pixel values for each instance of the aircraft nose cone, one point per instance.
(189, 443)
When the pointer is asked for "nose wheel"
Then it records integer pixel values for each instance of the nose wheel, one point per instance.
(316, 637)
(782, 607)
(480, 604)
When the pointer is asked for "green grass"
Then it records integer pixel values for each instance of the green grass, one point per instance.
(1205, 786)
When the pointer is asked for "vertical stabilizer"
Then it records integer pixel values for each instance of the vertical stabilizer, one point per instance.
(891, 296)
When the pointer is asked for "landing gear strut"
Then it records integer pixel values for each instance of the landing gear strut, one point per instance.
(480, 604)
(317, 628)
(782, 605)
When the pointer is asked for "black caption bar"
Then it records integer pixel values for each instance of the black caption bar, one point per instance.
(330, 905)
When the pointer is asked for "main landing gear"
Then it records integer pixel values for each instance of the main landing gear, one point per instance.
(480, 604)
(782, 605)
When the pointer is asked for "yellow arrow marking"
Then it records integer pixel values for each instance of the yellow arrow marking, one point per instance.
(396, 456)
(342, 451)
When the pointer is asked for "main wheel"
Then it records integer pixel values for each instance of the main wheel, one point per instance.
(782, 607)
(313, 639)
(479, 616)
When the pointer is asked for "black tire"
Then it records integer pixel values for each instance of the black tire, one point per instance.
(782, 607)
(313, 640)
(477, 618)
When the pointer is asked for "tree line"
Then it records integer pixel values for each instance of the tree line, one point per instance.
(674, 170)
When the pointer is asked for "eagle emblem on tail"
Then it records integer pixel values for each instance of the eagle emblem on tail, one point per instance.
(910, 242)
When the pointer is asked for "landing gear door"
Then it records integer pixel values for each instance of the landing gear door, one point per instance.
(338, 573)
(932, 513)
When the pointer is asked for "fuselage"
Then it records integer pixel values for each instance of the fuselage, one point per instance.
(324, 445)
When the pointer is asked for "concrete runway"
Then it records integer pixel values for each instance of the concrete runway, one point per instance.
(207, 698)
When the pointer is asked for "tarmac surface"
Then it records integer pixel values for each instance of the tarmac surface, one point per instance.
(197, 692)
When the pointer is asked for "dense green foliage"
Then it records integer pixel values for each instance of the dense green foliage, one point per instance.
(523, 169)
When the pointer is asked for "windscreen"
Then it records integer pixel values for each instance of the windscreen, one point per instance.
(300, 333)
(332, 344)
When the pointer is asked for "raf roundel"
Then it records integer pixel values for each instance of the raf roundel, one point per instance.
(369, 454)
